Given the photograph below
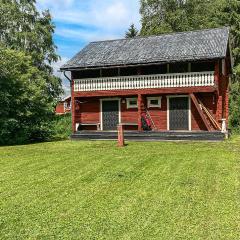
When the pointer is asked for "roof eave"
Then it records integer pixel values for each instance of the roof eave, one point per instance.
(74, 68)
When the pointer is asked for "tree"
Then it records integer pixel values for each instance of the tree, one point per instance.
(25, 29)
(25, 107)
(22, 27)
(132, 32)
(230, 16)
(162, 16)
(28, 89)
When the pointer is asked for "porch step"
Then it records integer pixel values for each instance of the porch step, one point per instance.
(150, 136)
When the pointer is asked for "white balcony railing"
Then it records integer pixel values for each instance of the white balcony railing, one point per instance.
(192, 79)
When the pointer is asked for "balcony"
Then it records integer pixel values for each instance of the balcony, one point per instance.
(175, 80)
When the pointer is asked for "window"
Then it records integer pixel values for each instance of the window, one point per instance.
(132, 103)
(67, 106)
(154, 102)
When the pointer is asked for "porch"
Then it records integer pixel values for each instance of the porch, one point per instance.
(151, 113)
(151, 136)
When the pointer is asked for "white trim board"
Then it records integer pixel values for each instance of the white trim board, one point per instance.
(189, 111)
(119, 109)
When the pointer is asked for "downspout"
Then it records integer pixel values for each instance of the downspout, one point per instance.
(72, 100)
(64, 73)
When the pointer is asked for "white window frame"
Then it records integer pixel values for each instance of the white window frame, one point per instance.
(149, 99)
(129, 105)
(65, 106)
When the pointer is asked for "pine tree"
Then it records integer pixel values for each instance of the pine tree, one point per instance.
(132, 32)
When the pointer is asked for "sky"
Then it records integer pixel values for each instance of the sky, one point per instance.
(79, 22)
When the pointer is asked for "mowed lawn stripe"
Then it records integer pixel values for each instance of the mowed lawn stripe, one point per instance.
(94, 190)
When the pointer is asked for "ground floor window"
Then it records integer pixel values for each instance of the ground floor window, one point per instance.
(131, 103)
(154, 102)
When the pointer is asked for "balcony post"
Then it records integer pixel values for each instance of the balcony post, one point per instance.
(140, 106)
(73, 107)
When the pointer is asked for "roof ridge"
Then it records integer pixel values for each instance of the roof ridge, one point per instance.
(163, 34)
(211, 43)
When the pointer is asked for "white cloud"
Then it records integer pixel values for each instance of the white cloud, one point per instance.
(108, 15)
(93, 20)
(116, 15)
(65, 83)
(54, 3)
(56, 66)
(84, 35)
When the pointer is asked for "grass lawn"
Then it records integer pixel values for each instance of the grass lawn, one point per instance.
(94, 190)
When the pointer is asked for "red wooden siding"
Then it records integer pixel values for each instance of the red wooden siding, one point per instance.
(88, 111)
(215, 99)
(159, 115)
(209, 102)
(60, 108)
(128, 115)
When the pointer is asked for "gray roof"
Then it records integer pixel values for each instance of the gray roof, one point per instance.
(184, 46)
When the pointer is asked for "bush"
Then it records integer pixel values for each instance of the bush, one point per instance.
(27, 107)
(234, 118)
(62, 127)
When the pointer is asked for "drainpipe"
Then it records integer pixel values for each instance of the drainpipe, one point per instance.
(64, 73)
(74, 128)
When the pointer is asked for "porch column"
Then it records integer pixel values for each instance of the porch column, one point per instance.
(225, 94)
(73, 107)
(219, 98)
(140, 106)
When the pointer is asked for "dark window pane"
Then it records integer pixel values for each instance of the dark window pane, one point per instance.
(133, 102)
(154, 102)
(202, 66)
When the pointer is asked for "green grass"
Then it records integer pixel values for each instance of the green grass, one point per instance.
(94, 190)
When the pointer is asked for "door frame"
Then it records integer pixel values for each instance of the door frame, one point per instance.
(189, 111)
(101, 114)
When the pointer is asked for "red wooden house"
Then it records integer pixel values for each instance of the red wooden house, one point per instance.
(172, 86)
(63, 106)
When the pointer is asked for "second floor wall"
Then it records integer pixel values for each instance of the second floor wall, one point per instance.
(187, 74)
